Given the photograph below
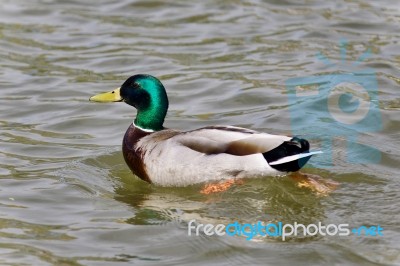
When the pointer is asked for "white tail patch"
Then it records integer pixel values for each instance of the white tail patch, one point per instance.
(294, 157)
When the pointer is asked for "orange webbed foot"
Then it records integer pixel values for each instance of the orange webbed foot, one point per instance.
(220, 186)
(319, 185)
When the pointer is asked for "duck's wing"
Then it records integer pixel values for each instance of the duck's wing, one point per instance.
(231, 140)
(217, 153)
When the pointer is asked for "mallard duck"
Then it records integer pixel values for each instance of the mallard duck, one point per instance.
(169, 157)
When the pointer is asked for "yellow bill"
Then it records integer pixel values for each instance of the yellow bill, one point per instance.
(106, 97)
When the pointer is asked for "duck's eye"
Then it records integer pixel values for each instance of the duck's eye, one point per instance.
(113, 92)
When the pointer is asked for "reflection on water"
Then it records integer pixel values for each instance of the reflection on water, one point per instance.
(67, 197)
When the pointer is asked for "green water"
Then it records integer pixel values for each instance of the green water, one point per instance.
(66, 195)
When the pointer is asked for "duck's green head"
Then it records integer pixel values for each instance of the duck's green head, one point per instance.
(144, 92)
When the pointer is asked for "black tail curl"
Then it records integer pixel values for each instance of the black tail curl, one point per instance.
(288, 148)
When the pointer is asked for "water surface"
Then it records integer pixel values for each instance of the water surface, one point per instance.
(67, 197)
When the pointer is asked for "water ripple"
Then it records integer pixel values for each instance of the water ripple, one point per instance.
(67, 197)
